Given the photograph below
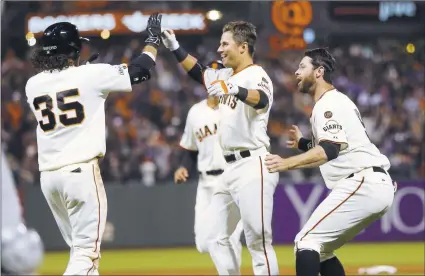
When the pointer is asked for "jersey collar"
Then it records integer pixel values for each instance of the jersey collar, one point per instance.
(329, 90)
(253, 64)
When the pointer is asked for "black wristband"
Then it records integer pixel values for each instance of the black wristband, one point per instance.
(304, 144)
(180, 54)
(242, 94)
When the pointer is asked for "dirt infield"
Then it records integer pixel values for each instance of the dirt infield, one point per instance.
(401, 270)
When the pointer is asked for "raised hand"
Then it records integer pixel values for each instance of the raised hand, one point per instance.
(154, 30)
(169, 39)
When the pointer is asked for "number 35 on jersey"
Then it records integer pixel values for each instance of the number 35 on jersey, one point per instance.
(66, 103)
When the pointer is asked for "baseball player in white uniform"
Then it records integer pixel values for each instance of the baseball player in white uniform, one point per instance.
(200, 144)
(246, 95)
(68, 103)
(22, 250)
(352, 166)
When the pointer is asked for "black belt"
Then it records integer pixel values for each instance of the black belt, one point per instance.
(375, 169)
(232, 157)
(213, 172)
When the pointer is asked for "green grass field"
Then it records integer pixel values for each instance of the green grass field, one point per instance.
(408, 258)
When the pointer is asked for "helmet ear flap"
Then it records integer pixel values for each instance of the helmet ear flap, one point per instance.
(74, 55)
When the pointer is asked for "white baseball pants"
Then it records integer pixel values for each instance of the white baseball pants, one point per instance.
(203, 214)
(352, 205)
(248, 194)
(77, 199)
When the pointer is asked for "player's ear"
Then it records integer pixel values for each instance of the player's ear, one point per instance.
(320, 71)
(244, 47)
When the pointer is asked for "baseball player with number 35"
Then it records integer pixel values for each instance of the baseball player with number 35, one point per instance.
(353, 168)
(246, 96)
(68, 101)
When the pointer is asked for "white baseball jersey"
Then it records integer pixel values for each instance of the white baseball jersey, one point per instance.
(69, 108)
(243, 127)
(335, 118)
(201, 134)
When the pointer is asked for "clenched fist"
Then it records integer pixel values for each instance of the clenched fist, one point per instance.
(181, 175)
(294, 137)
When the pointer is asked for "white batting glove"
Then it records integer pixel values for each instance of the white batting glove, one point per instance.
(221, 87)
(169, 39)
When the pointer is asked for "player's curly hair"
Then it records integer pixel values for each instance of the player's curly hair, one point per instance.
(42, 62)
(243, 31)
(322, 57)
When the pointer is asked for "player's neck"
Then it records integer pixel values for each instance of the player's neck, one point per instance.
(244, 64)
(321, 90)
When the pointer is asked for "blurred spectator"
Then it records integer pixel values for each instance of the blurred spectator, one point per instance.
(148, 169)
(144, 127)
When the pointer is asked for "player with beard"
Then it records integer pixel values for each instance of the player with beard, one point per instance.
(353, 168)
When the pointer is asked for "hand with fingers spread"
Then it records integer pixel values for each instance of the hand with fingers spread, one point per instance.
(294, 137)
(275, 163)
(181, 175)
(154, 30)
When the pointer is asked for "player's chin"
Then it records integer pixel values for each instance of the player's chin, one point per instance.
(302, 88)
(225, 61)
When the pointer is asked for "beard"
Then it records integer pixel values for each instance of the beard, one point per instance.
(306, 85)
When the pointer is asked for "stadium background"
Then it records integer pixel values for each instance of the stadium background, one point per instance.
(379, 47)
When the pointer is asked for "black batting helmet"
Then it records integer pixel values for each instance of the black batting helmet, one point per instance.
(62, 38)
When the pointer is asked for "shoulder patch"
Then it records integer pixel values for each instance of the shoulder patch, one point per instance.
(328, 114)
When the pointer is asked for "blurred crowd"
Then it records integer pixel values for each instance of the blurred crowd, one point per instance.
(144, 127)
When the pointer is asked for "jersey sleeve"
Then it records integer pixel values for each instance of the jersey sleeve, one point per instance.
(113, 78)
(188, 140)
(329, 124)
(263, 82)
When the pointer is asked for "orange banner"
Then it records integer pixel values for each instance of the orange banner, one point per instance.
(119, 22)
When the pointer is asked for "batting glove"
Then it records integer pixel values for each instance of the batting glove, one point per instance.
(169, 39)
(221, 87)
(154, 30)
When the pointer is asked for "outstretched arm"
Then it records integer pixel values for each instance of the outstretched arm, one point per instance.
(317, 156)
(189, 63)
(139, 68)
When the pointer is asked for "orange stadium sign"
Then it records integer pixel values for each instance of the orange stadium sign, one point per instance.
(119, 22)
(290, 18)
